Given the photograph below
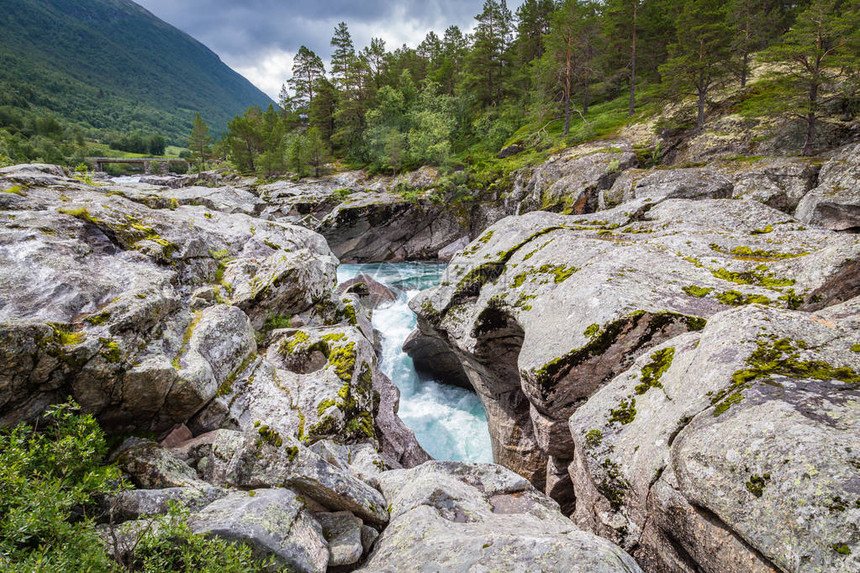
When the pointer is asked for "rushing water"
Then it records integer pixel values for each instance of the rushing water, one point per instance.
(449, 422)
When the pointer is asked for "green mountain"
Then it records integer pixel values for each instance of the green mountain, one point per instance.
(113, 66)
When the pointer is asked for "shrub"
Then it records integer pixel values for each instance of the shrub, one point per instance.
(51, 478)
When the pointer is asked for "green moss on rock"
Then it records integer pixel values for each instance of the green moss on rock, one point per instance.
(661, 361)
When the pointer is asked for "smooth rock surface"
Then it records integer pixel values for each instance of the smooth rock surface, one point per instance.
(481, 517)
(736, 445)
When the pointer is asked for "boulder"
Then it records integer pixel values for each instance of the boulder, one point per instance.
(275, 523)
(264, 458)
(342, 531)
(835, 203)
(657, 184)
(153, 467)
(373, 292)
(779, 182)
(433, 356)
(570, 181)
(726, 449)
(139, 503)
(374, 227)
(543, 310)
(98, 303)
(474, 517)
(452, 249)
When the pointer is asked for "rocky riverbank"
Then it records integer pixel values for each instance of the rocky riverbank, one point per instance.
(668, 358)
(187, 317)
(680, 371)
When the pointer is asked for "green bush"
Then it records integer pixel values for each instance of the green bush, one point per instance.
(51, 477)
(48, 479)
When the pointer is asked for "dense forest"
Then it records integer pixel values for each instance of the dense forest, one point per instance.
(551, 73)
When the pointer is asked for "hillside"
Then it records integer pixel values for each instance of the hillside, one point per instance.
(112, 65)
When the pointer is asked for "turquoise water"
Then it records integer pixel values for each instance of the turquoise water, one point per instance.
(449, 422)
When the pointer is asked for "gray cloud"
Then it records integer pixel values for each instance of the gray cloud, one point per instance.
(258, 37)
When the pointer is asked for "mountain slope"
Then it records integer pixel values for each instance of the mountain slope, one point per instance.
(113, 65)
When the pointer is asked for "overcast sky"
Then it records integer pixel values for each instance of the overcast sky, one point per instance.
(258, 38)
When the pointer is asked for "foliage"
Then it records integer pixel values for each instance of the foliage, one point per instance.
(49, 478)
(169, 545)
(557, 74)
(822, 44)
(52, 478)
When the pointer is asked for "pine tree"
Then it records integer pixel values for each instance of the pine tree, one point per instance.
(199, 142)
(454, 49)
(572, 46)
(375, 57)
(751, 29)
(701, 58)
(621, 19)
(821, 44)
(488, 61)
(533, 25)
(307, 69)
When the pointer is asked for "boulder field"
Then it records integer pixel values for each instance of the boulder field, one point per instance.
(679, 370)
(209, 337)
(669, 359)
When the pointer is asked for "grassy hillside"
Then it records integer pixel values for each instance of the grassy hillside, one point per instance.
(113, 66)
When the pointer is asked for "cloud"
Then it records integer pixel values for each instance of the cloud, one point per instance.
(258, 38)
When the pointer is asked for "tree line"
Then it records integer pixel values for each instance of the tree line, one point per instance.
(547, 64)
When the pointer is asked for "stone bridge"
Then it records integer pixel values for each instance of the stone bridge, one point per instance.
(162, 163)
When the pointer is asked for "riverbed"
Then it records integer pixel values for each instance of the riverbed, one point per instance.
(449, 422)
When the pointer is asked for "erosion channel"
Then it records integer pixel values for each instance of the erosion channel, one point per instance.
(449, 422)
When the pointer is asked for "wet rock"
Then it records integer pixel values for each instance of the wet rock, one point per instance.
(432, 355)
(462, 517)
(373, 292)
(273, 522)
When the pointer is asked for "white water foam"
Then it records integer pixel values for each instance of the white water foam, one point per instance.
(449, 422)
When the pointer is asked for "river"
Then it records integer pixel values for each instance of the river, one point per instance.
(449, 422)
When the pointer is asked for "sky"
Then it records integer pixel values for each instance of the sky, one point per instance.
(258, 38)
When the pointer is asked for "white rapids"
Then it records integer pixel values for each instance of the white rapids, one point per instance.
(449, 422)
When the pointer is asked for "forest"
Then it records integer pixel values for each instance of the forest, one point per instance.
(549, 74)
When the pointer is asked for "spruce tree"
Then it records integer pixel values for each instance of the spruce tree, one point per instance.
(342, 55)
